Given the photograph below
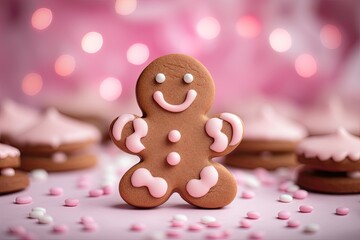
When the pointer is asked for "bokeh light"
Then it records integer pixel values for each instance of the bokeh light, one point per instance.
(330, 36)
(92, 42)
(65, 65)
(305, 65)
(125, 7)
(248, 26)
(32, 84)
(208, 28)
(137, 53)
(41, 18)
(110, 89)
(280, 40)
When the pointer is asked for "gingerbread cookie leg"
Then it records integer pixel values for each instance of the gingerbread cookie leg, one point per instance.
(140, 187)
(215, 188)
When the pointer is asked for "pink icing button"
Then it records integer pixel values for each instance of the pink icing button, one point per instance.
(177, 223)
(306, 208)
(71, 202)
(247, 194)
(91, 226)
(173, 158)
(245, 223)
(214, 224)
(107, 190)
(300, 194)
(62, 228)
(284, 215)
(342, 211)
(17, 230)
(253, 215)
(174, 136)
(173, 233)
(86, 219)
(195, 227)
(56, 191)
(23, 200)
(293, 223)
(96, 193)
(256, 235)
(137, 227)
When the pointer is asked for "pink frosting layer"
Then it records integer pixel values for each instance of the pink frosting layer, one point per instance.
(55, 129)
(337, 146)
(15, 118)
(268, 125)
(8, 151)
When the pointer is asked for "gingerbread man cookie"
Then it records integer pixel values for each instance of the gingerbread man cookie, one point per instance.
(175, 139)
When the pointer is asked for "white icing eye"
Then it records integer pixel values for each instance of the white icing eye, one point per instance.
(160, 78)
(188, 78)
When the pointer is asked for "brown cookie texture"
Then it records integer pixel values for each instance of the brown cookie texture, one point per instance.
(267, 160)
(266, 145)
(346, 165)
(327, 182)
(150, 134)
(9, 184)
(9, 162)
(73, 162)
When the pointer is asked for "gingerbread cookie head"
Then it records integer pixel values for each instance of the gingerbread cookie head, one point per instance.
(175, 139)
(175, 83)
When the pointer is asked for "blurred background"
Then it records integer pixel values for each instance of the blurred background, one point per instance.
(84, 56)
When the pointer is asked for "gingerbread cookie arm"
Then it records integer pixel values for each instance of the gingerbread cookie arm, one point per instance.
(126, 131)
(226, 130)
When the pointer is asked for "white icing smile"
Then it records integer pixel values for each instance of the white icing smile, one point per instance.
(190, 97)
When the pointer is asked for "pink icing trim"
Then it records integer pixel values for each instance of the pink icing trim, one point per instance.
(213, 129)
(337, 146)
(142, 178)
(119, 125)
(173, 158)
(200, 187)
(190, 97)
(236, 126)
(8, 151)
(174, 136)
(133, 142)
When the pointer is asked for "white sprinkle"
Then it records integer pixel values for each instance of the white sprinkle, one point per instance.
(39, 209)
(207, 219)
(156, 236)
(251, 182)
(285, 198)
(311, 228)
(180, 217)
(36, 214)
(45, 219)
(39, 174)
(292, 188)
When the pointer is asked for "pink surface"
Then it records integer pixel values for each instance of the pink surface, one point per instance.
(113, 218)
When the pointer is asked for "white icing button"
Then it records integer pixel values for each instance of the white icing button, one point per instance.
(9, 172)
(188, 78)
(160, 78)
(173, 158)
(59, 157)
(174, 136)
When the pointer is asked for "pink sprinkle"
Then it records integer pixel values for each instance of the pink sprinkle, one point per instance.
(60, 229)
(17, 230)
(96, 193)
(195, 227)
(227, 233)
(283, 186)
(83, 183)
(247, 194)
(23, 200)
(306, 208)
(253, 215)
(71, 202)
(29, 236)
(86, 219)
(213, 224)
(256, 235)
(90, 226)
(173, 233)
(108, 190)
(56, 191)
(283, 215)
(177, 223)
(137, 227)
(342, 211)
(215, 235)
(293, 223)
(300, 194)
(245, 223)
